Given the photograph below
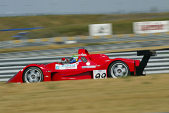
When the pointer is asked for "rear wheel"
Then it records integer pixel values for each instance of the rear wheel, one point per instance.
(32, 74)
(118, 69)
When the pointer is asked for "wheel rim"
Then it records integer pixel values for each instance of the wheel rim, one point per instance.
(33, 75)
(119, 70)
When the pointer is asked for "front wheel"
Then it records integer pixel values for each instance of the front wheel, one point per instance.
(118, 69)
(32, 74)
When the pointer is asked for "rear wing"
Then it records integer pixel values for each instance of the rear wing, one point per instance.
(146, 56)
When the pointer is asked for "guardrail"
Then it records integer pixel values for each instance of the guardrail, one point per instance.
(10, 66)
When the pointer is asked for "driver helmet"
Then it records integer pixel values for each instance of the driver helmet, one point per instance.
(74, 59)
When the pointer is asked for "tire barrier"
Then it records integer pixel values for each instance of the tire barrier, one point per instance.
(10, 66)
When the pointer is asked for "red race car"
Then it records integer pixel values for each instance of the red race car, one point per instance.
(83, 66)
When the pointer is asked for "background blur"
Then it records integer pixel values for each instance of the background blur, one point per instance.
(44, 31)
(71, 18)
(35, 7)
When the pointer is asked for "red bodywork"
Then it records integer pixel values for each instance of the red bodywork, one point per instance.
(79, 70)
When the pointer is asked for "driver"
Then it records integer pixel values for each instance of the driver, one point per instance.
(74, 59)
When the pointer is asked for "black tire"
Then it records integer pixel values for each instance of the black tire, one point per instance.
(118, 69)
(32, 74)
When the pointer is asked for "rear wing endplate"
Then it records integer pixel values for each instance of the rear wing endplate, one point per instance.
(146, 56)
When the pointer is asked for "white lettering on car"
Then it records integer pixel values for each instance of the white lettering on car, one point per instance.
(88, 66)
(66, 66)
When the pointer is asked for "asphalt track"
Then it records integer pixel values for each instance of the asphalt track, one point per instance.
(111, 44)
(116, 41)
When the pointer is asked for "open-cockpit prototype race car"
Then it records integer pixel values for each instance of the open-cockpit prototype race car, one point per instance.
(85, 66)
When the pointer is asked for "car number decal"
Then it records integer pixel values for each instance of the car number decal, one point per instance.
(99, 74)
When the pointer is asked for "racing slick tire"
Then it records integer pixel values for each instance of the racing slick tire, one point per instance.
(118, 69)
(32, 74)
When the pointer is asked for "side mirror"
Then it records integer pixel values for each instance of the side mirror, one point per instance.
(63, 59)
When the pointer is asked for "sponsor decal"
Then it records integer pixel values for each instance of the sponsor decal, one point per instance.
(88, 63)
(77, 63)
(88, 66)
(66, 66)
(79, 60)
(83, 54)
(150, 27)
(100, 29)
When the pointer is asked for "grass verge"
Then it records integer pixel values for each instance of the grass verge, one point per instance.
(125, 95)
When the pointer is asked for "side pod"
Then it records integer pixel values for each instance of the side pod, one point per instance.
(146, 56)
